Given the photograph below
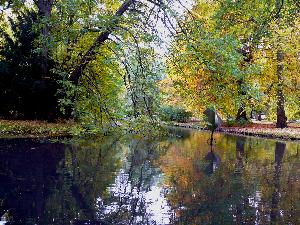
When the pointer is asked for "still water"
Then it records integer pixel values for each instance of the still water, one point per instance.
(128, 180)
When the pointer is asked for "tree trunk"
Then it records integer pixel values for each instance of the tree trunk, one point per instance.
(103, 36)
(247, 54)
(281, 117)
(241, 114)
(44, 11)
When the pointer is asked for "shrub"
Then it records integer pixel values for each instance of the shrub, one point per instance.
(230, 122)
(173, 113)
(233, 123)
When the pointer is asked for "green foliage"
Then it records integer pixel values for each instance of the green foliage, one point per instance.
(209, 69)
(233, 123)
(121, 80)
(145, 127)
(174, 113)
(230, 122)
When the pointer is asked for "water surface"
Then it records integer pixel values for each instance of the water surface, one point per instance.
(128, 180)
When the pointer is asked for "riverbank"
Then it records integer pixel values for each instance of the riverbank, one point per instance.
(36, 128)
(265, 130)
(277, 133)
(28, 128)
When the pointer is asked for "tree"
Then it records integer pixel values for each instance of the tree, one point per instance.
(211, 66)
(24, 93)
(267, 28)
(74, 34)
(241, 77)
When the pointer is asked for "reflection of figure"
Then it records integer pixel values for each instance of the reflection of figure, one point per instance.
(240, 152)
(279, 152)
(214, 161)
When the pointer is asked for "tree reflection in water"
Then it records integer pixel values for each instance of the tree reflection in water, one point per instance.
(256, 182)
(110, 182)
(279, 152)
(105, 181)
(181, 180)
(135, 196)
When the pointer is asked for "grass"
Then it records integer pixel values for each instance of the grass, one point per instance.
(36, 128)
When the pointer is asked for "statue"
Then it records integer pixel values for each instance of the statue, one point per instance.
(213, 121)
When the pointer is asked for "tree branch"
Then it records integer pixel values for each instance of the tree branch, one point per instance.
(103, 36)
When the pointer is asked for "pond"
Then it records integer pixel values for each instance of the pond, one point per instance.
(129, 180)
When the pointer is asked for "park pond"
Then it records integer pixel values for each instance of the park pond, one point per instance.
(131, 180)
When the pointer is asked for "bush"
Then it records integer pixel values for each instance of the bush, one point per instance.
(233, 123)
(173, 113)
(230, 123)
(242, 122)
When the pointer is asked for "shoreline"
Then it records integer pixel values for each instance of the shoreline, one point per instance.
(44, 129)
(285, 134)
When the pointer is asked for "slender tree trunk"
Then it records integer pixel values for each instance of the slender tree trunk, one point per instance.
(281, 117)
(49, 87)
(241, 114)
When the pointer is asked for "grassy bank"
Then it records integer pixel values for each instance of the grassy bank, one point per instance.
(36, 128)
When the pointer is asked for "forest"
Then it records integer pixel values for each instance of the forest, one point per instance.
(106, 63)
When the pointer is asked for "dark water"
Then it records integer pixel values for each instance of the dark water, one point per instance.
(133, 181)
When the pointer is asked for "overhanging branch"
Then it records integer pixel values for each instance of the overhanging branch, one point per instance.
(103, 36)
